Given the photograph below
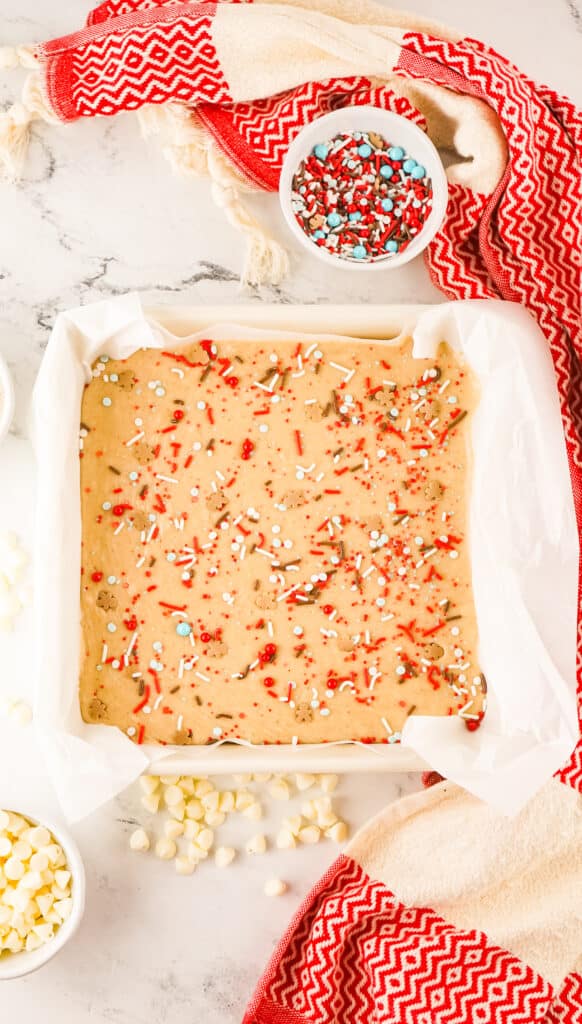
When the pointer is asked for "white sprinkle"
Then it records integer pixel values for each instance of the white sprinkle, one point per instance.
(166, 479)
(104, 653)
(387, 727)
(287, 592)
(444, 386)
(133, 440)
(131, 644)
(119, 529)
(205, 679)
(179, 372)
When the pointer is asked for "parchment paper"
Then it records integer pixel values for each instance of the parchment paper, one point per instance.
(523, 540)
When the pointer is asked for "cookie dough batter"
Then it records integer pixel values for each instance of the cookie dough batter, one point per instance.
(275, 543)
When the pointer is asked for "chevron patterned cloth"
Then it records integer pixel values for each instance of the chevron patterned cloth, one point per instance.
(411, 926)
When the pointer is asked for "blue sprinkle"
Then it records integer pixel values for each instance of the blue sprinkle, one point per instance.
(320, 151)
(318, 234)
(395, 153)
(386, 171)
(364, 150)
(359, 252)
(334, 220)
(391, 246)
(409, 165)
(418, 172)
(387, 205)
(351, 165)
(183, 629)
(354, 216)
(106, 401)
(416, 204)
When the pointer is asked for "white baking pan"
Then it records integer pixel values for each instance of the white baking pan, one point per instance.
(524, 551)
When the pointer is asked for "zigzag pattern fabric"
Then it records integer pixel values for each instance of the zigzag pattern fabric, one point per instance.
(354, 954)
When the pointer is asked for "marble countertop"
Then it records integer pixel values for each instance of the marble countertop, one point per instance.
(97, 214)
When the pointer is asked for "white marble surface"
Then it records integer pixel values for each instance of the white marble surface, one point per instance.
(97, 214)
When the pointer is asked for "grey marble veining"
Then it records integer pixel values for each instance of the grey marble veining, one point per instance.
(96, 214)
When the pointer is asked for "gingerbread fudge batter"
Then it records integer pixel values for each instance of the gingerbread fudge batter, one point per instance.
(275, 543)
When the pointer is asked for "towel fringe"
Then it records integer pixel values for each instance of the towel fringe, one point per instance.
(190, 150)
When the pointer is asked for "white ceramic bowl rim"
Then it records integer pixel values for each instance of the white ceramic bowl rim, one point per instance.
(16, 965)
(6, 398)
(399, 130)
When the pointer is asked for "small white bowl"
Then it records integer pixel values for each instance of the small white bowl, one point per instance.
(6, 398)
(16, 965)
(398, 131)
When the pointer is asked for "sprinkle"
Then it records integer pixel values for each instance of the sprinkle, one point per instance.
(133, 440)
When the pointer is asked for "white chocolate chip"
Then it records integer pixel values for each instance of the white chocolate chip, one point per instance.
(184, 865)
(243, 799)
(173, 829)
(151, 802)
(304, 781)
(165, 848)
(224, 856)
(149, 783)
(202, 787)
(275, 887)
(173, 796)
(169, 780)
(187, 785)
(254, 811)
(194, 809)
(293, 823)
(285, 839)
(309, 834)
(257, 844)
(205, 838)
(328, 782)
(338, 832)
(226, 802)
(279, 789)
(191, 829)
(139, 841)
(214, 818)
(309, 810)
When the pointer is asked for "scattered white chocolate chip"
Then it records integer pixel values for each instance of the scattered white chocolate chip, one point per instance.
(202, 787)
(151, 802)
(254, 811)
(184, 865)
(256, 844)
(224, 855)
(243, 799)
(279, 789)
(285, 839)
(139, 841)
(328, 782)
(165, 848)
(169, 780)
(293, 823)
(338, 832)
(275, 887)
(205, 838)
(149, 783)
(194, 809)
(173, 796)
(309, 834)
(214, 819)
(226, 802)
(304, 781)
(173, 829)
(309, 810)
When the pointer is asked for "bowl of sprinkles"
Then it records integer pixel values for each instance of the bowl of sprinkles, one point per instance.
(363, 188)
